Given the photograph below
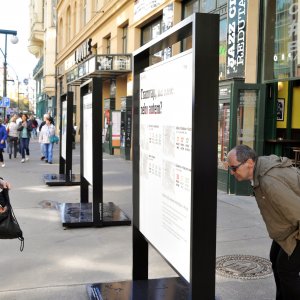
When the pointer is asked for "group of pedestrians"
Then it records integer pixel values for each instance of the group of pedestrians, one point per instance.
(16, 135)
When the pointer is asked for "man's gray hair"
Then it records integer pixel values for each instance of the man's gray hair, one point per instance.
(244, 152)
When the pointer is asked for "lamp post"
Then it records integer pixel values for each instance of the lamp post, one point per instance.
(19, 101)
(14, 40)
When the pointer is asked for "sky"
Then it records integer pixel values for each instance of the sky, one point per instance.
(15, 16)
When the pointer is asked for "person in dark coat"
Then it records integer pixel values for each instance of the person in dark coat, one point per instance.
(3, 137)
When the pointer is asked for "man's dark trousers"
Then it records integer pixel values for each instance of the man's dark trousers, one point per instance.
(286, 271)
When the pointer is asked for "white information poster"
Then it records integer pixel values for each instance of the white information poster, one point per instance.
(64, 130)
(116, 128)
(88, 138)
(165, 158)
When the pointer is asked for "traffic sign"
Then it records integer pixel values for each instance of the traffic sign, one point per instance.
(5, 102)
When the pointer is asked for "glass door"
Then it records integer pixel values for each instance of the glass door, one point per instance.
(247, 127)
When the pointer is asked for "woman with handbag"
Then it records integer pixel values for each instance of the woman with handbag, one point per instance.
(13, 135)
(47, 131)
(3, 137)
(24, 129)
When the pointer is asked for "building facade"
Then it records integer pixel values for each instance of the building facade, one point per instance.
(258, 66)
(42, 44)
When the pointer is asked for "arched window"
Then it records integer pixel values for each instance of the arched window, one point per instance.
(75, 22)
(68, 24)
(60, 34)
(84, 10)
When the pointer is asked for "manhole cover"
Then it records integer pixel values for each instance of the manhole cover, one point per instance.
(243, 267)
(49, 204)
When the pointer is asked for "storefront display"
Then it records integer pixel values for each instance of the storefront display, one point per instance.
(281, 40)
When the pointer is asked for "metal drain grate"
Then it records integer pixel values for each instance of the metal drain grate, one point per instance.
(243, 267)
(49, 204)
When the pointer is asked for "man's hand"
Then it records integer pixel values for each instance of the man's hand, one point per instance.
(4, 184)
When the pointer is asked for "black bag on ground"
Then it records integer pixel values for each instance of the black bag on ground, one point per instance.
(9, 226)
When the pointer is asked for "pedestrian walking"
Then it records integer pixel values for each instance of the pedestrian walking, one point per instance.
(12, 137)
(46, 132)
(3, 137)
(276, 185)
(34, 125)
(25, 132)
(46, 117)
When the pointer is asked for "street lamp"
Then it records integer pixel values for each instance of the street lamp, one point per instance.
(14, 40)
(19, 100)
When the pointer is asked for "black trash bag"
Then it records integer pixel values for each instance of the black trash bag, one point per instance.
(9, 226)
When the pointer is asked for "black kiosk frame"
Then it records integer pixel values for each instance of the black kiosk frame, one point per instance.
(65, 176)
(203, 104)
(95, 213)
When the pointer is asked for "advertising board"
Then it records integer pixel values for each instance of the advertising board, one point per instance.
(165, 158)
(64, 130)
(88, 138)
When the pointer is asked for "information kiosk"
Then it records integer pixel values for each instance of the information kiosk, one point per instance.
(175, 111)
(65, 176)
(94, 213)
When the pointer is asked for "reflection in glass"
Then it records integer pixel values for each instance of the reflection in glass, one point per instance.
(281, 39)
(223, 134)
(207, 5)
(222, 49)
(246, 117)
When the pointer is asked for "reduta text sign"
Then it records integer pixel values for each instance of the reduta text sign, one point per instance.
(236, 38)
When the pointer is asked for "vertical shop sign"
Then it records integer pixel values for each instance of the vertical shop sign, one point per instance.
(236, 38)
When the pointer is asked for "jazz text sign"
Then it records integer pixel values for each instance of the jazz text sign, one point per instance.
(236, 38)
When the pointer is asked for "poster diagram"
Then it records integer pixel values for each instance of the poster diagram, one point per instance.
(165, 158)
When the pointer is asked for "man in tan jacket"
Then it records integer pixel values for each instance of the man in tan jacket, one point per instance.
(276, 185)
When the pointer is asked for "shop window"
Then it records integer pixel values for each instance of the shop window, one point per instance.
(246, 117)
(222, 2)
(190, 7)
(107, 44)
(280, 53)
(124, 39)
(207, 6)
(151, 31)
(222, 49)
(223, 134)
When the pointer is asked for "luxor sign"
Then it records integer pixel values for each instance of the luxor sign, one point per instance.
(83, 51)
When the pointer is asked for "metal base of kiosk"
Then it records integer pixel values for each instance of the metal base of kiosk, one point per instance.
(61, 179)
(80, 215)
(173, 288)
